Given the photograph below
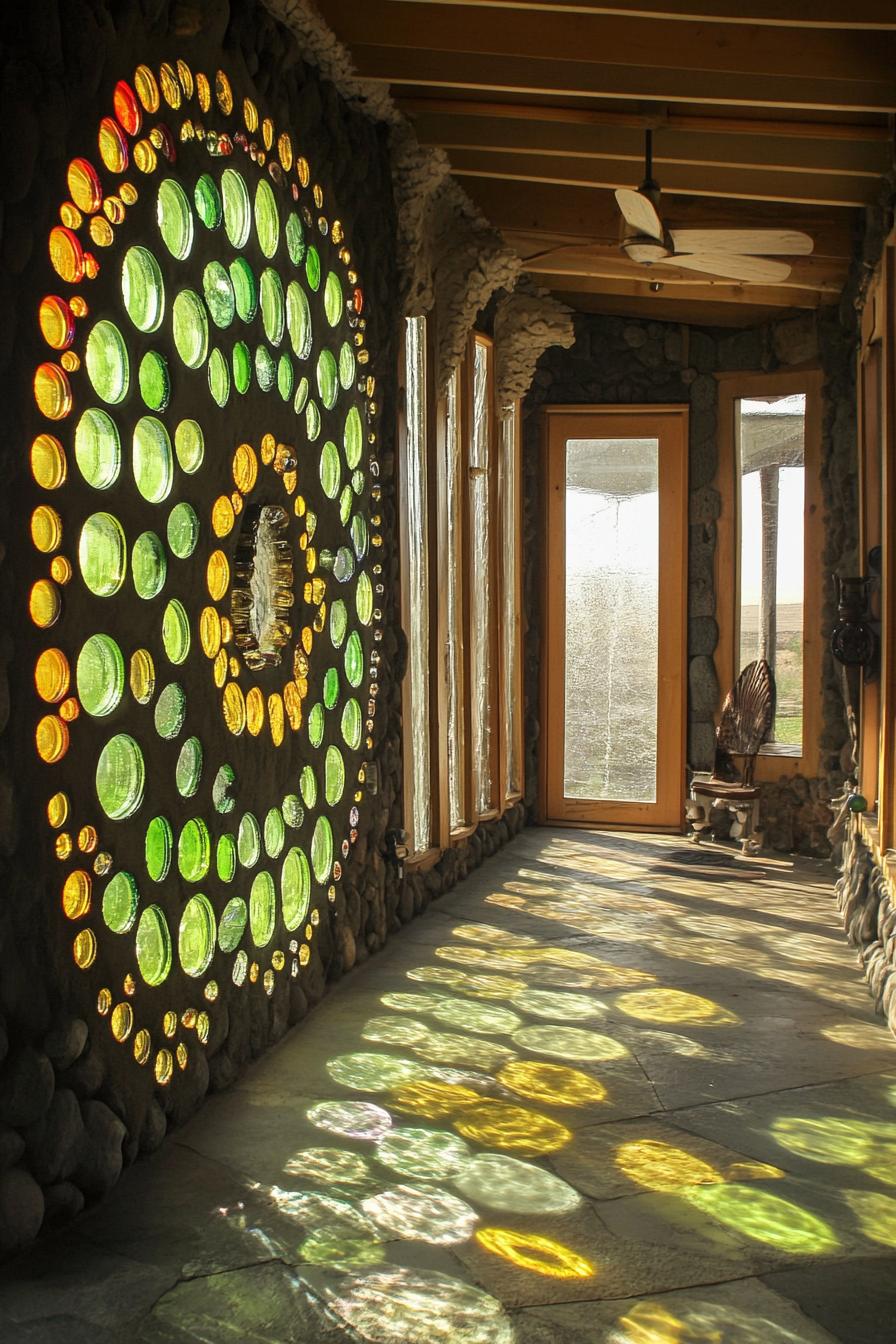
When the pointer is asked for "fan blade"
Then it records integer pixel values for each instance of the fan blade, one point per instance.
(639, 213)
(645, 250)
(728, 266)
(744, 242)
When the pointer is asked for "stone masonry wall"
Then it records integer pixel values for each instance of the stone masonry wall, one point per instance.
(74, 1107)
(622, 361)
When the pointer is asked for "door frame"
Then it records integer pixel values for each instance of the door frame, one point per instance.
(667, 813)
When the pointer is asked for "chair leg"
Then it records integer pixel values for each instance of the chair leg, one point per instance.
(697, 813)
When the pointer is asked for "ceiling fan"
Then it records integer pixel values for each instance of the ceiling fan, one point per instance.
(730, 254)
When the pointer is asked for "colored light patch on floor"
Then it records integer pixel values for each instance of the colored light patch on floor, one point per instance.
(532, 1252)
(511, 1186)
(411, 1003)
(394, 1030)
(706, 1322)
(857, 1035)
(351, 1119)
(766, 1218)
(432, 1099)
(492, 935)
(371, 1072)
(569, 1043)
(422, 1214)
(840, 1142)
(442, 1047)
(481, 986)
(404, 1306)
(875, 1214)
(561, 1006)
(329, 1165)
(660, 1166)
(553, 1084)
(496, 1124)
(423, 1154)
(674, 1006)
(476, 1017)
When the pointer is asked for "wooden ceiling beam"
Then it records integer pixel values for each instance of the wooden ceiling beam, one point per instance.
(656, 116)
(537, 135)
(580, 212)
(527, 75)
(743, 184)
(852, 60)
(867, 14)
(659, 308)
(719, 292)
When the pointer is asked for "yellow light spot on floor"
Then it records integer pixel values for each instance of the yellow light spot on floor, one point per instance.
(432, 1099)
(512, 1128)
(540, 1254)
(650, 1323)
(660, 1166)
(553, 1084)
(875, 1214)
(674, 1005)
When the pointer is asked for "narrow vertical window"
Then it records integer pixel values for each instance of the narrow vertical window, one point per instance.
(416, 585)
(770, 438)
(454, 493)
(481, 666)
(510, 598)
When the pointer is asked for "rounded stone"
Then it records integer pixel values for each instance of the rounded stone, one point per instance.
(101, 1160)
(26, 1087)
(21, 1208)
(56, 1142)
(66, 1042)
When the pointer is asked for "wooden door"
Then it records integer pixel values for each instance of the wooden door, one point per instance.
(614, 688)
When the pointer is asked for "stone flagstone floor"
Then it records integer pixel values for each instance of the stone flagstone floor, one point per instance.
(612, 1088)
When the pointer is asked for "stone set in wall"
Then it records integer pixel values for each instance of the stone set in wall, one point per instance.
(621, 361)
(869, 918)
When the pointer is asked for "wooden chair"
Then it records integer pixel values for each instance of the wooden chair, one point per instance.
(747, 716)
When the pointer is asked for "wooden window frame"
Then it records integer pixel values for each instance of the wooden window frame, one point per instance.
(887, 776)
(869, 412)
(442, 836)
(425, 858)
(493, 810)
(771, 766)
(514, 510)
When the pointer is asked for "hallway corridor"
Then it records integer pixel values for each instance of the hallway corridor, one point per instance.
(611, 1088)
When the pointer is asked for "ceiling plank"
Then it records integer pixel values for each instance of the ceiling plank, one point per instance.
(660, 308)
(580, 212)
(656, 116)
(654, 44)
(745, 184)
(522, 75)
(540, 135)
(720, 292)
(867, 14)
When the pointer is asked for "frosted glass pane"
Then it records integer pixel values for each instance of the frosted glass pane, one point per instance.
(455, 640)
(480, 587)
(417, 579)
(510, 625)
(771, 454)
(611, 619)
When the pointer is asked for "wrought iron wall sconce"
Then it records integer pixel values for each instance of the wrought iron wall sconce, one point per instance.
(855, 639)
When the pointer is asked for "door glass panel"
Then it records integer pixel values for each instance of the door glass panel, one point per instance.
(771, 461)
(611, 619)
